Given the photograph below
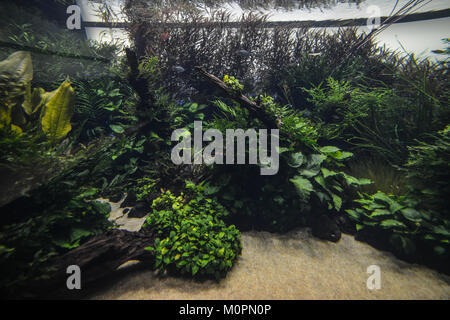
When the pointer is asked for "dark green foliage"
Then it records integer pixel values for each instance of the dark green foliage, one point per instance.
(27, 247)
(101, 108)
(428, 169)
(373, 120)
(192, 237)
(411, 231)
(385, 177)
(310, 179)
(417, 223)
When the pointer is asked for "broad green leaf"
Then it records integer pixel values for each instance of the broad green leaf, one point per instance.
(380, 212)
(439, 250)
(77, 233)
(337, 201)
(329, 149)
(309, 173)
(411, 214)
(16, 129)
(58, 112)
(441, 230)
(316, 160)
(5, 116)
(321, 181)
(194, 269)
(341, 155)
(403, 244)
(350, 180)
(326, 173)
(37, 99)
(373, 205)
(383, 197)
(117, 128)
(296, 160)
(390, 223)
(323, 197)
(302, 185)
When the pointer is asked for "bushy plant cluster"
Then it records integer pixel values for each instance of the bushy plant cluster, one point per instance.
(102, 107)
(416, 223)
(376, 121)
(233, 83)
(411, 230)
(27, 246)
(192, 237)
(310, 177)
(277, 60)
(428, 169)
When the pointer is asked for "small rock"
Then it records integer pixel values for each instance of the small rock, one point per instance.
(140, 210)
(129, 201)
(125, 211)
(344, 223)
(324, 227)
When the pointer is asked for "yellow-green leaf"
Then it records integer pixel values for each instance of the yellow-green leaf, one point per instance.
(57, 113)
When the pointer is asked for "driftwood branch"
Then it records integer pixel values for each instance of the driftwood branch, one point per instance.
(254, 108)
(98, 259)
(104, 253)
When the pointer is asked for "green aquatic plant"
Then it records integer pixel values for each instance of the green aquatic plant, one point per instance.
(102, 106)
(313, 176)
(428, 170)
(309, 175)
(19, 103)
(233, 83)
(409, 229)
(57, 113)
(145, 187)
(27, 247)
(192, 237)
(370, 120)
(385, 177)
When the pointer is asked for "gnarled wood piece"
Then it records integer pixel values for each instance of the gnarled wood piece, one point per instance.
(254, 108)
(98, 258)
(104, 253)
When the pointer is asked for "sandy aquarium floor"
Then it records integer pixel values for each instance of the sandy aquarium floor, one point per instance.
(291, 266)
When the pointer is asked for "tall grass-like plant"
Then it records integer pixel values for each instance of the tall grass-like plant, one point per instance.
(384, 177)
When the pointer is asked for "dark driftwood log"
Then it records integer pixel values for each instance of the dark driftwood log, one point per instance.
(254, 108)
(99, 258)
(104, 253)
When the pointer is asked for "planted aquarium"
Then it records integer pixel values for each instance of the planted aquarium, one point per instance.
(225, 150)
